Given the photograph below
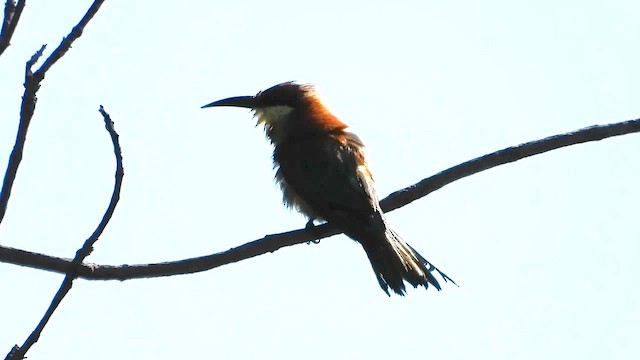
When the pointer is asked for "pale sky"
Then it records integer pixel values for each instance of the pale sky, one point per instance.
(544, 249)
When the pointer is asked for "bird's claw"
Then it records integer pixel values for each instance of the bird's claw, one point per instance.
(310, 226)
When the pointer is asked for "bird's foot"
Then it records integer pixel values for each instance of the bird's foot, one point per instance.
(310, 226)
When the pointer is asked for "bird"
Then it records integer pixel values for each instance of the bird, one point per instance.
(322, 172)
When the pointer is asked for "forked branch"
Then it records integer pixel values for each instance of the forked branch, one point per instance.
(18, 352)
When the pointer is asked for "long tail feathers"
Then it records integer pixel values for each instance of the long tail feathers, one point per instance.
(432, 267)
(394, 261)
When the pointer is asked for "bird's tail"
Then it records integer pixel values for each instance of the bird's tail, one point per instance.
(394, 261)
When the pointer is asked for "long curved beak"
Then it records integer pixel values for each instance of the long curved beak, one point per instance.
(237, 101)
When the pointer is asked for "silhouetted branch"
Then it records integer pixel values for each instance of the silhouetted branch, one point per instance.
(12, 12)
(514, 153)
(31, 86)
(84, 251)
(271, 243)
(66, 42)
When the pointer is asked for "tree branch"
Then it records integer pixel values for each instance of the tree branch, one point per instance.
(83, 252)
(514, 153)
(12, 12)
(271, 243)
(31, 86)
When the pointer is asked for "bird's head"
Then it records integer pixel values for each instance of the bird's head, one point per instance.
(286, 110)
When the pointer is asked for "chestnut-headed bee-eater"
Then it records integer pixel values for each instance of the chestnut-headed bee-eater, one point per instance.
(322, 171)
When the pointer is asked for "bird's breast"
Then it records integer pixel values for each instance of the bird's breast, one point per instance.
(320, 172)
(303, 171)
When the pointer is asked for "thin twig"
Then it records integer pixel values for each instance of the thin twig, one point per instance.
(83, 252)
(31, 86)
(66, 42)
(271, 243)
(12, 12)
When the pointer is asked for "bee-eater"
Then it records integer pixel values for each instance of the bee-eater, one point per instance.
(322, 172)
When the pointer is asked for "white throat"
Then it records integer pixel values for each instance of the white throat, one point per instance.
(274, 119)
(272, 115)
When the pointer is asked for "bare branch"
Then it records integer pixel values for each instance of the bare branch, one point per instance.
(271, 243)
(66, 42)
(12, 12)
(31, 86)
(83, 252)
(514, 153)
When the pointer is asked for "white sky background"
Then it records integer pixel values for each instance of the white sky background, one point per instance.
(544, 249)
